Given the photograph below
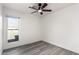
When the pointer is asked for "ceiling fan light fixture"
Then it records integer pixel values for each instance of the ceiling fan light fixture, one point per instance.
(39, 10)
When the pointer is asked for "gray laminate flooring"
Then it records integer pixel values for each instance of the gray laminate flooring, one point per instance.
(38, 48)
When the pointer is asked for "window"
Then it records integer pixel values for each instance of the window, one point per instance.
(13, 29)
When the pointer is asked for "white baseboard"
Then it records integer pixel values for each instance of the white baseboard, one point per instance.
(60, 46)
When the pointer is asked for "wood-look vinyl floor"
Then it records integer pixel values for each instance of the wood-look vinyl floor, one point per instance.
(38, 48)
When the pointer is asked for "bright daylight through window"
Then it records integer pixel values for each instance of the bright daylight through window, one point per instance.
(13, 29)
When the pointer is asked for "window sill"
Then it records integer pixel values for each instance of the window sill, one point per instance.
(12, 40)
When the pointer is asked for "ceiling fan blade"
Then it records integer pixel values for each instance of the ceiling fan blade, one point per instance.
(47, 10)
(33, 8)
(34, 12)
(44, 5)
(39, 4)
(41, 13)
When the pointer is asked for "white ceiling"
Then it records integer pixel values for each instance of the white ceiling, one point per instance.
(23, 7)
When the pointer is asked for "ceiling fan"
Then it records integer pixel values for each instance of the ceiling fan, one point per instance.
(40, 8)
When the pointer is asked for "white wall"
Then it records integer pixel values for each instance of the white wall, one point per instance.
(0, 29)
(62, 28)
(29, 29)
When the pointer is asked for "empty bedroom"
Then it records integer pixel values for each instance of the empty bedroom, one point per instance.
(39, 28)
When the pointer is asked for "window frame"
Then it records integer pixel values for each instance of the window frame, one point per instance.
(12, 40)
